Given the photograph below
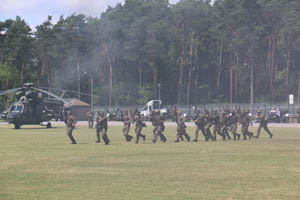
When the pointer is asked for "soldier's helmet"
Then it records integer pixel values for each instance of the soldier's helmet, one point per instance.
(99, 113)
(69, 112)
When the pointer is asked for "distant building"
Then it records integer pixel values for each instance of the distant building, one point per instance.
(79, 108)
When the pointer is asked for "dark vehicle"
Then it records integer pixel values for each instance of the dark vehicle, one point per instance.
(277, 116)
(30, 107)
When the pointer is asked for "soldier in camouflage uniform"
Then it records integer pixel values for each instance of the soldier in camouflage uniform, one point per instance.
(208, 124)
(101, 127)
(139, 124)
(126, 128)
(71, 122)
(263, 123)
(158, 124)
(181, 128)
(90, 116)
(225, 124)
(200, 123)
(233, 122)
(216, 125)
(245, 121)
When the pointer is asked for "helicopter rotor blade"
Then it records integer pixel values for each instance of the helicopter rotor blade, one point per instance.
(53, 95)
(10, 91)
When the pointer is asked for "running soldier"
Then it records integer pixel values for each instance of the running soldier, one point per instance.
(126, 128)
(139, 124)
(245, 121)
(216, 125)
(71, 122)
(158, 124)
(199, 121)
(208, 124)
(225, 124)
(263, 123)
(233, 122)
(101, 127)
(181, 128)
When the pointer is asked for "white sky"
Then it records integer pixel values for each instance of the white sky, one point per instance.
(35, 12)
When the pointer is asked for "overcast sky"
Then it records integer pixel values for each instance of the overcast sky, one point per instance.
(35, 12)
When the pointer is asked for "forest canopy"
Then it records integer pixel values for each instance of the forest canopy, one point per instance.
(191, 52)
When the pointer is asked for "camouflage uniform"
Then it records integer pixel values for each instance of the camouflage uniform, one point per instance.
(225, 125)
(262, 124)
(208, 124)
(245, 121)
(101, 127)
(181, 129)
(158, 124)
(216, 125)
(139, 124)
(200, 123)
(126, 128)
(71, 121)
(90, 116)
(233, 121)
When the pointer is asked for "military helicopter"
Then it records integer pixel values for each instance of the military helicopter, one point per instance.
(30, 107)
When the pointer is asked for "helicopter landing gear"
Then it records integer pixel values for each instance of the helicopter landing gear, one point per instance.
(17, 126)
(48, 125)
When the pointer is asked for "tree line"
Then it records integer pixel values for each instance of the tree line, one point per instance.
(191, 52)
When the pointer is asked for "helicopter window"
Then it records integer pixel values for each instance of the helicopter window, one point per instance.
(19, 108)
(13, 108)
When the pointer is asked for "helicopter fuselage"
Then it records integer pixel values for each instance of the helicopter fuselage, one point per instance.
(27, 114)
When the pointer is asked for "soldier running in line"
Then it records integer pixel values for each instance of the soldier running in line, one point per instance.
(126, 128)
(158, 124)
(245, 120)
(199, 121)
(139, 125)
(233, 122)
(225, 124)
(263, 123)
(71, 122)
(208, 124)
(216, 125)
(181, 128)
(101, 127)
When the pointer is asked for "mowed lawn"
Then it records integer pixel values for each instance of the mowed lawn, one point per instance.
(40, 163)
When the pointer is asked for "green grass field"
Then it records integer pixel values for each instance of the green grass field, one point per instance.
(40, 163)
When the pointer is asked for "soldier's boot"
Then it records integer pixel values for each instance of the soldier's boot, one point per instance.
(244, 137)
(98, 138)
(105, 139)
(196, 138)
(72, 139)
(257, 136)
(188, 138)
(181, 138)
(238, 135)
(137, 139)
(129, 138)
(144, 137)
(251, 135)
(228, 136)
(163, 137)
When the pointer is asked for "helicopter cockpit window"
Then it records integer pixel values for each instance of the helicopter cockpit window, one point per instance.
(19, 108)
(12, 108)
